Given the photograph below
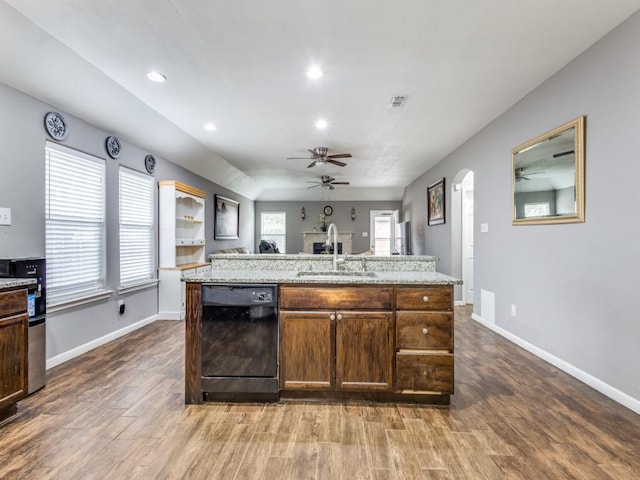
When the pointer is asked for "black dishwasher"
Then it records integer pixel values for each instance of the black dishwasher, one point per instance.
(240, 342)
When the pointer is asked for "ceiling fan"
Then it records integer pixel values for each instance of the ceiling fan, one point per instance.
(327, 182)
(319, 155)
(522, 175)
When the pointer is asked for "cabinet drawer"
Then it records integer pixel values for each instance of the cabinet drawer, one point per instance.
(424, 372)
(355, 298)
(422, 330)
(13, 302)
(425, 298)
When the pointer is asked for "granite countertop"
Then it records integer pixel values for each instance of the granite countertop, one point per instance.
(291, 276)
(6, 283)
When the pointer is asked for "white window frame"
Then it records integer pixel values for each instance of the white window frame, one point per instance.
(279, 238)
(75, 227)
(136, 213)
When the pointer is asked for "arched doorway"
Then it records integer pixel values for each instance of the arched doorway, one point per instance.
(462, 234)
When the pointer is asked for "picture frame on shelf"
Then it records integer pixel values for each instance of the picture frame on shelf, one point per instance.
(226, 218)
(436, 203)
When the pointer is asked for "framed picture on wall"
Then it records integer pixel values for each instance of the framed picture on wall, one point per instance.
(436, 203)
(227, 218)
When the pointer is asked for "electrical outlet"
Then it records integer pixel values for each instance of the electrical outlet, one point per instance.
(5, 216)
(365, 234)
(513, 310)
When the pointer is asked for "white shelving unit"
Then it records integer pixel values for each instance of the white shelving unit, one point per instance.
(181, 244)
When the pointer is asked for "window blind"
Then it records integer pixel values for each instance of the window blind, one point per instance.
(136, 227)
(75, 223)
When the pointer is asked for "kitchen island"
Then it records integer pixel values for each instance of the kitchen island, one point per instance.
(378, 328)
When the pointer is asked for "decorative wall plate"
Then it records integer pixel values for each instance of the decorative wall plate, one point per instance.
(56, 126)
(328, 210)
(150, 163)
(112, 144)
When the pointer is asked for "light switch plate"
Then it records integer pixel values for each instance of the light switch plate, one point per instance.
(484, 227)
(5, 216)
(365, 234)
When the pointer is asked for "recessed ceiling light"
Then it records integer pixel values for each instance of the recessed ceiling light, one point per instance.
(156, 77)
(321, 124)
(314, 72)
(210, 127)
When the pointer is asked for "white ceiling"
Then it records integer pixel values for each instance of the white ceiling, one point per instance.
(241, 64)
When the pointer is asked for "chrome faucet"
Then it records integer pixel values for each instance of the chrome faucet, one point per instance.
(335, 244)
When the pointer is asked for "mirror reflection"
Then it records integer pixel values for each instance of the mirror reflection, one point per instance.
(548, 177)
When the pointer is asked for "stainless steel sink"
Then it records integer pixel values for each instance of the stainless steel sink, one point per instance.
(338, 273)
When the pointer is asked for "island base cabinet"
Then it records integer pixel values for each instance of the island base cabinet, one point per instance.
(424, 372)
(364, 350)
(306, 350)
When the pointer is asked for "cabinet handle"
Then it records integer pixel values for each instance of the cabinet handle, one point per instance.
(425, 299)
(332, 317)
(339, 316)
(425, 330)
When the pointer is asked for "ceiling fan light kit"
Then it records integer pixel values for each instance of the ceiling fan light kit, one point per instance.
(320, 156)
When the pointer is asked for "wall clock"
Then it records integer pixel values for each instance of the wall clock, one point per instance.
(328, 210)
(150, 163)
(112, 144)
(56, 126)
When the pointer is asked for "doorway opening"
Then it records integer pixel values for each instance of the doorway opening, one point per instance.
(462, 222)
(384, 234)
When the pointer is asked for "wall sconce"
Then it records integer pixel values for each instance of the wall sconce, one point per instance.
(353, 214)
(303, 213)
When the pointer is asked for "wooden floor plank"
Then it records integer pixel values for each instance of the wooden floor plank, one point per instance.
(118, 412)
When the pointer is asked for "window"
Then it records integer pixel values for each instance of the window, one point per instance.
(136, 227)
(536, 209)
(274, 227)
(75, 224)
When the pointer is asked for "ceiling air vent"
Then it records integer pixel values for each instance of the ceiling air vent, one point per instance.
(398, 101)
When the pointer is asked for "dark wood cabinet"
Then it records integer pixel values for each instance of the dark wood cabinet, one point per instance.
(364, 350)
(307, 350)
(344, 343)
(424, 340)
(14, 324)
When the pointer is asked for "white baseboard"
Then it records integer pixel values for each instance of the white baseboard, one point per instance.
(74, 352)
(595, 383)
(459, 303)
(170, 316)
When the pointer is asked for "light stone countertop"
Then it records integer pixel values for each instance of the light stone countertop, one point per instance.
(6, 283)
(316, 269)
(291, 276)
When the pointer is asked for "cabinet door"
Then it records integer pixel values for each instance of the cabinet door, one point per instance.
(306, 350)
(13, 359)
(364, 350)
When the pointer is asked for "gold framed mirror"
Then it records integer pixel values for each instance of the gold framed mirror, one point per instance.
(547, 176)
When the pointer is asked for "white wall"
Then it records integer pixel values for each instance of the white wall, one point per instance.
(573, 285)
(22, 143)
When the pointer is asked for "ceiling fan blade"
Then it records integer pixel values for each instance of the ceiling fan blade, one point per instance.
(312, 186)
(562, 154)
(336, 162)
(313, 153)
(311, 164)
(299, 158)
(340, 155)
(339, 183)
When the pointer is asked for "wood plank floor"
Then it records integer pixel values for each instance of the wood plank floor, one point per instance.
(118, 412)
